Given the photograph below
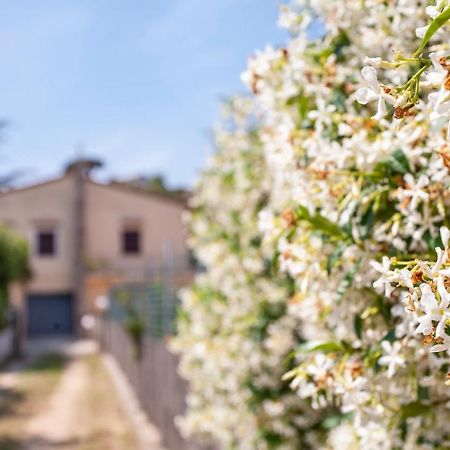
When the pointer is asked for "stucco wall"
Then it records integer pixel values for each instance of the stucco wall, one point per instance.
(26, 210)
(109, 209)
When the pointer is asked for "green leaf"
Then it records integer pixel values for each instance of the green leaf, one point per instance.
(332, 421)
(325, 347)
(347, 282)
(390, 336)
(399, 162)
(255, 242)
(272, 438)
(367, 222)
(274, 263)
(396, 164)
(423, 392)
(371, 356)
(333, 259)
(358, 325)
(302, 104)
(303, 107)
(414, 409)
(434, 26)
(321, 223)
(384, 308)
(432, 241)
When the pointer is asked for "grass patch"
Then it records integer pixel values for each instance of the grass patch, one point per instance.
(51, 362)
(105, 425)
(25, 398)
(9, 444)
(9, 398)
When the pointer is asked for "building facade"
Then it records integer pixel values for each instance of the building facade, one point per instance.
(84, 237)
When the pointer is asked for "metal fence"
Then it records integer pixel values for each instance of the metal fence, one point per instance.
(154, 303)
(135, 328)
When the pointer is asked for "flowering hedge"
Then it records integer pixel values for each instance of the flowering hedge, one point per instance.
(234, 333)
(313, 210)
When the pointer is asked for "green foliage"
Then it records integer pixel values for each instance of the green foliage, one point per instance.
(358, 325)
(273, 439)
(325, 347)
(13, 265)
(321, 223)
(414, 409)
(347, 281)
(13, 256)
(50, 362)
(435, 25)
(334, 420)
(387, 170)
(336, 47)
(133, 322)
(136, 328)
(269, 313)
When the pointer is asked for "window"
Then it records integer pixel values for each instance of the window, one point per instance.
(131, 241)
(46, 243)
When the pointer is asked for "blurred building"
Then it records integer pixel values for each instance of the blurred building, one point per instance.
(85, 237)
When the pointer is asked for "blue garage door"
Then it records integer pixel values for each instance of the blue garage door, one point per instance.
(50, 314)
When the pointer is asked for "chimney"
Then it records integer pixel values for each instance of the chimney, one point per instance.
(83, 167)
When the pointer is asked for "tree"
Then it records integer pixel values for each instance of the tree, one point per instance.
(14, 266)
(156, 184)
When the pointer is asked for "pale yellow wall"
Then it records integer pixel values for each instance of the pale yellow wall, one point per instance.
(24, 210)
(108, 208)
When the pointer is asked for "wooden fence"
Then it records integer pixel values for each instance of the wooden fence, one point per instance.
(6, 343)
(159, 389)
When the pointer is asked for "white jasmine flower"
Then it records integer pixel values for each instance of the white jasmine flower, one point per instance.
(445, 236)
(266, 221)
(378, 63)
(434, 10)
(404, 278)
(443, 347)
(288, 18)
(420, 31)
(439, 74)
(391, 357)
(441, 258)
(415, 189)
(374, 62)
(430, 307)
(401, 101)
(385, 281)
(373, 91)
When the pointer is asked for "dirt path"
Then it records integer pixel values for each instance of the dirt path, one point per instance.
(57, 426)
(68, 405)
(54, 425)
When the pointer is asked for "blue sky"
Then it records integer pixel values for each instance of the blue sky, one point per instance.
(136, 83)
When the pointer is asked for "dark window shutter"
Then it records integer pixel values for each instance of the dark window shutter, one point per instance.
(46, 243)
(131, 242)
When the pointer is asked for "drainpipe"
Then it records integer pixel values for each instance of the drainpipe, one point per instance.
(80, 169)
(79, 246)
